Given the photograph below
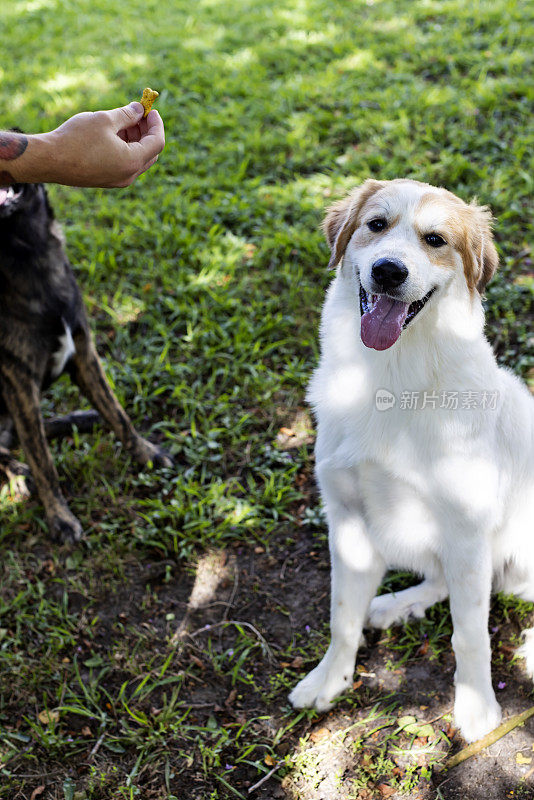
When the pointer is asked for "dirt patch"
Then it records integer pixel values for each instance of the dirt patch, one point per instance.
(235, 634)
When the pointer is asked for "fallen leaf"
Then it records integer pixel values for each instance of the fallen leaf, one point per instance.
(319, 734)
(426, 731)
(46, 717)
(385, 789)
(86, 731)
(269, 760)
(297, 662)
(357, 684)
(449, 730)
(521, 759)
(230, 700)
(36, 792)
(405, 722)
(421, 741)
(423, 650)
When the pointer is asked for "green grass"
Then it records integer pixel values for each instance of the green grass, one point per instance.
(204, 282)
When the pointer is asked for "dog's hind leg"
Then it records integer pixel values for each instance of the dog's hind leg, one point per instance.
(83, 421)
(519, 582)
(526, 651)
(394, 608)
(60, 427)
(21, 396)
(87, 372)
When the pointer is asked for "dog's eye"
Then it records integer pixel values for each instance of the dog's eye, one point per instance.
(434, 240)
(377, 224)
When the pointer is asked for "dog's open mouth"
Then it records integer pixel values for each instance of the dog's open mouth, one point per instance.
(8, 194)
(383, 318)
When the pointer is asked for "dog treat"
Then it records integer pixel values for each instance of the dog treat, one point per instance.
(149, 95)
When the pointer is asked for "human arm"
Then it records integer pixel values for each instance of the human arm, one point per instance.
(99, 149)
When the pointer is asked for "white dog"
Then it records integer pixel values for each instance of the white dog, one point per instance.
(425, 448)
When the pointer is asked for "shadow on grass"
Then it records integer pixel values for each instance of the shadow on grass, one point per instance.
(204, 282)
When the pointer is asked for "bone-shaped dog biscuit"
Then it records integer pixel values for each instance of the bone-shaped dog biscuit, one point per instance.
(149, 95)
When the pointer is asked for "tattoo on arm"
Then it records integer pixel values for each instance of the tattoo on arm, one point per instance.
(6, 178)
(12, 145)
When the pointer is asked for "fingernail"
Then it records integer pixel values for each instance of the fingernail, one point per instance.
(137, 107)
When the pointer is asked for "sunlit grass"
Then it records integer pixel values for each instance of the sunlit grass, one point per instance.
(204, 283)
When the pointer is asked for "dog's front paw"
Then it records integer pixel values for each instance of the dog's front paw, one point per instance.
(64, 527)
(147, 453)
(320, 687)
(475, 715)
(162, 459)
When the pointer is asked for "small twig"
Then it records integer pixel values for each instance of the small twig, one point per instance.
(291, 555)
(207, 628)
(231, 599)
(265, 777)
(440, 716)
(12, 758)
(96, 748)
(37, 777)
(492, 737)
(229, 604)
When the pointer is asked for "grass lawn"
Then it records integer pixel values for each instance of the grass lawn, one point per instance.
(153, 661)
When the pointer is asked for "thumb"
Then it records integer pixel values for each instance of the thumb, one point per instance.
(126, 116)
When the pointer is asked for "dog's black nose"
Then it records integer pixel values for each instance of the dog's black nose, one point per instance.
(388, 273)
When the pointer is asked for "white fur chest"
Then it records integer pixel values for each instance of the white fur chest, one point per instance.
(435, 441)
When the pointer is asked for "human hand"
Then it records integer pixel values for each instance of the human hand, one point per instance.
(107, 148)
(101, 149)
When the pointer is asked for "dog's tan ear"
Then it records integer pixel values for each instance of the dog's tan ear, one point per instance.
(480, 259)
(342, 218)
(488, 256)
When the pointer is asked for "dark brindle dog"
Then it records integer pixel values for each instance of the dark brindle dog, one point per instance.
(43, 332)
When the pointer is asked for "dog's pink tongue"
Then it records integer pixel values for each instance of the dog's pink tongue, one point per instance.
(382, 326)
(3, 195)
